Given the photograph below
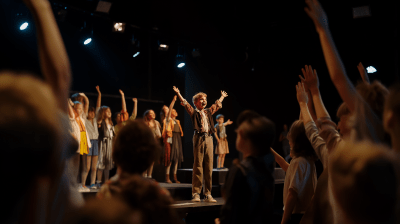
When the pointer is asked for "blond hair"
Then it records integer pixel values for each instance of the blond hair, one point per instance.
(197, 96)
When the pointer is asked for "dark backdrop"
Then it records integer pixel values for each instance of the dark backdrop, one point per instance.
(250, 49)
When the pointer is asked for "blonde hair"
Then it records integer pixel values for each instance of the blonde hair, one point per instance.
(365, 171)
(197, 96)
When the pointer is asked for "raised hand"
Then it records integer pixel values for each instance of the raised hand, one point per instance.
(229, 122)
(98, 89)
(81, 94)
(176, 90)
(301, 93)
(363, 72)
(310, 79)
(134, 100)
(175, 97)
(122, 93)
(315, 11)
(224, 94)
(70, 102)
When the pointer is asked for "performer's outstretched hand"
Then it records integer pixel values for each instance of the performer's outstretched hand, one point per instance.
(176, 90)
(224, 94)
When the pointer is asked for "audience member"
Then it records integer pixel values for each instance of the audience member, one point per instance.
(301, 174)
(249, 187)
(135, 149)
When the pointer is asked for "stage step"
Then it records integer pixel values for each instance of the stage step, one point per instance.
(178, 191)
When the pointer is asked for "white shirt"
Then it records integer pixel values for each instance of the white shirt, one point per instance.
(301, 176)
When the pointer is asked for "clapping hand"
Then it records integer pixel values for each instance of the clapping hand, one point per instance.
(315, 11)
(224, 94)
(310, 79)
(301, 93)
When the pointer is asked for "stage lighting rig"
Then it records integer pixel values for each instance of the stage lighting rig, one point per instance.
(86, 34)
(119, 27)
(163, 47)
(103, 6)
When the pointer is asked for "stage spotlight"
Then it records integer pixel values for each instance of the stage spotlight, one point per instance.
(24, 26)
(119, 27)
(87, 41)
(180, 65)
(163, 47)
(371, 69)
(136, 54)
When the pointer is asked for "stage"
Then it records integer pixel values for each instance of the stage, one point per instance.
(192, 211)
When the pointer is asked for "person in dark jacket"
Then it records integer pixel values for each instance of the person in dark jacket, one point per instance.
(249, 187)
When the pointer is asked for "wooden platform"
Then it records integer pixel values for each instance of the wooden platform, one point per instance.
(187, 206)
(179, 192)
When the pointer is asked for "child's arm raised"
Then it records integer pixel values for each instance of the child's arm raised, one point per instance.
(311, 81)
(54, 62)
(303, 100)
(134, 113)
(86, 104)
(176, 90)
(333, 61)
(124, 114)
(70, 109)
(218, 104)
(168, 117)
(123, 100)
(187, 106)
(98, 104)
(280, 160)
(223, 95)
(363, 73)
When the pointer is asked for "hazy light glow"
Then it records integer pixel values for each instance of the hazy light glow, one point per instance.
(371, 69)
(135, 55)
(87, 41)
(181, 65)
(118, 26)
(24, 26)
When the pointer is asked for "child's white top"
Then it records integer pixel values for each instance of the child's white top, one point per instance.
(301, 176)
(92, 128)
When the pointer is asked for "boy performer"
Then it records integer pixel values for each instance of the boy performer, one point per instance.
(203, 125)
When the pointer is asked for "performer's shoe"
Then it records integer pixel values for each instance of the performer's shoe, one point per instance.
(167, 180)
(209, 198)
(196, 197)
(176, 179)
(93, 186)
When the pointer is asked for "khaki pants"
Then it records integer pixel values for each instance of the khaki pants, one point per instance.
(203, 161)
